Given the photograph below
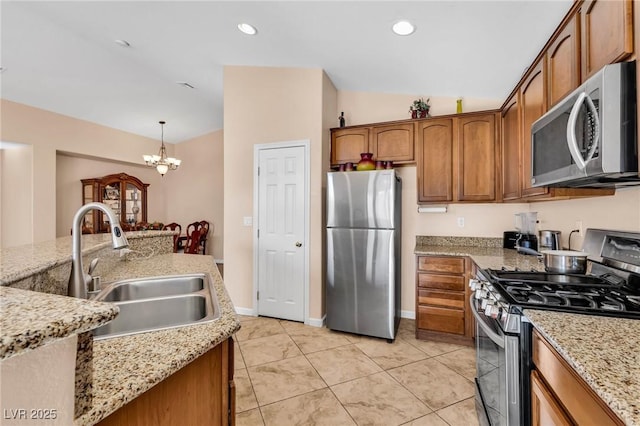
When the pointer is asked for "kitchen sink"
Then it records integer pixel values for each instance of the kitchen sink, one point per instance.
(158, 303)
(146, 288)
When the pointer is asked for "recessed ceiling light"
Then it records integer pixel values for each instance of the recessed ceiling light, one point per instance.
(185, 84)
(247, 29)
(403, 28)
(123, 43)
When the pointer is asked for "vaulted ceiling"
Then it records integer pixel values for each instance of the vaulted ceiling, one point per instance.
(62, 56)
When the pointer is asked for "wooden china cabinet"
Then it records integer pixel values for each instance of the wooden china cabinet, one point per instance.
(125, 194)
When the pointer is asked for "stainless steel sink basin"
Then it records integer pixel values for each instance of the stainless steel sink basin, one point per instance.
(158, 303)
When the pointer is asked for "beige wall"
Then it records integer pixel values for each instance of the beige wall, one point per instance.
(196, 189)
(71, 169)
(265, 105)
(47, 133)
(16, 223)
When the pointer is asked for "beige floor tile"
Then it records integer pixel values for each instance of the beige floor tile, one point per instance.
(390, 355)
(462, 361)
(284, 379)
(245, 318)
(314, 408)
(249, 418)
(429, 420)
(245, 398)
(268, 349)
(237, 356)
(379, 400)
(295, 327)
(342, 364)
(259, 327)
(310, 342)
(434, 383)
(460, 414)
(433, 348)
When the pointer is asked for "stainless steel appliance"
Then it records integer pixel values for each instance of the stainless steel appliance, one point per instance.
(589, 138)
(549, 240)
(610, 287)
(363, 252)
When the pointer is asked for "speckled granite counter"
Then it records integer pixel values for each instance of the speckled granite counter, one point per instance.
(484, 257)
(30, 320)
(125, 367)
(603, 351)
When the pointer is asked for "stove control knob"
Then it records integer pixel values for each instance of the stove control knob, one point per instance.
(475, 284)
(494, 311)
(488, 308)
(485, 303)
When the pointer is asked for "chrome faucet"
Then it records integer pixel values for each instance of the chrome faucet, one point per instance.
(78, 281)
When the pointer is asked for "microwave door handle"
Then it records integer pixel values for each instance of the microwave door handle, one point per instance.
(572, 141)
(596, 125)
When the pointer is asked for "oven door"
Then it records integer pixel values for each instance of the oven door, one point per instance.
(498, 372)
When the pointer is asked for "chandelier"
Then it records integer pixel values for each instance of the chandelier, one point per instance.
(161, 162)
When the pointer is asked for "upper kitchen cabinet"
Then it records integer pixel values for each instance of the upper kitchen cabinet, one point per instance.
(457, 159)
(388, 142)
(348, 143)
(476, 162)
(533, 105)
(435, 160)
(126, 195)
(393, 143)
(511, 149)
(607, 33)
(563, 60)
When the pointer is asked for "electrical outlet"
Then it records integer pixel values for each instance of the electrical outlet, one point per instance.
(579, 227)
(461, 222)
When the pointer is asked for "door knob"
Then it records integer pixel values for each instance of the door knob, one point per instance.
(298, 244)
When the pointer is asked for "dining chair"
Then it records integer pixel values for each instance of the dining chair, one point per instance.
(173, 227)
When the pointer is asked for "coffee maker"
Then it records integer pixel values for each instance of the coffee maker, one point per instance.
(526, 231)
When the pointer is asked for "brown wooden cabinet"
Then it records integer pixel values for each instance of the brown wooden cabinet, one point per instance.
(435, 160)
(200, 394)
(457, 158)
(511, 149)
(563, 61)
(533, 105)
(441, 308)
(476, 158)
(125, 194)
(388, 142)
(559, 396)
(607, 33)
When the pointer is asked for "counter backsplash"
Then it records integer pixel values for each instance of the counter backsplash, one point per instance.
(428, 240)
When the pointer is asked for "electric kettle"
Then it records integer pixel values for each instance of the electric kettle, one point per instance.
(549, 240)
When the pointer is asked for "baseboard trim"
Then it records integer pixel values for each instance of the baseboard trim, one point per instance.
(408, 314)
(317, 322)
(245, 311)
(218, 260)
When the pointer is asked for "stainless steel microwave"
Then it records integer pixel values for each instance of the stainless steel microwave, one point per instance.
(589, 139)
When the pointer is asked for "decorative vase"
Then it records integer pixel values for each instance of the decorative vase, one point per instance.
(424, 113)
(414, 113)
(366, 162)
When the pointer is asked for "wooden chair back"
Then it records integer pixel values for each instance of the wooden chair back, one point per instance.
(173, 227)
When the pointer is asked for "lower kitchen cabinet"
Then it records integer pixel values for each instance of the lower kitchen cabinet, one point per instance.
(441, 299)
(559, 396)
(200, 394)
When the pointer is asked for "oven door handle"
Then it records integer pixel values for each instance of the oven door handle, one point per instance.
(481, 321)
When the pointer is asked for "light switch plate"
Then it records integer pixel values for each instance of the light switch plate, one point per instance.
(247, 221)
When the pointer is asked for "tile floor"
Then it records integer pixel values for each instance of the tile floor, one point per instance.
(291, 374)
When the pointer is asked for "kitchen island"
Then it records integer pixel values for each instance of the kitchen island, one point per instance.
(121, 368)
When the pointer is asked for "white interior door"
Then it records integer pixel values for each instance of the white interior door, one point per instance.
(281, 232)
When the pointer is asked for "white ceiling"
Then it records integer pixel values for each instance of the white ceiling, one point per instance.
(61, 56)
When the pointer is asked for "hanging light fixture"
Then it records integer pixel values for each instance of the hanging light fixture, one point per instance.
(161, 162)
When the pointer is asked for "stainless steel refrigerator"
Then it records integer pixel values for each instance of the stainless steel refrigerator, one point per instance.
(363, 252)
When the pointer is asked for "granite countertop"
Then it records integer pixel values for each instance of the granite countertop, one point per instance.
(23, 261)
(604, 351)
(30, 319)
(484, 257)
(125, 367)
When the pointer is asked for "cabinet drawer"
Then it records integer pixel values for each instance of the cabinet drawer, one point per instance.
(441, 319)
(444, 264)
(580, 401)
(443, 282)
(447, 299)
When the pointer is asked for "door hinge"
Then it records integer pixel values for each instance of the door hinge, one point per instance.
(258, 295)
(258, 170)
(258, 233)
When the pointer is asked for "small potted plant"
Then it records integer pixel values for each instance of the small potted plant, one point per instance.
(419, 108)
